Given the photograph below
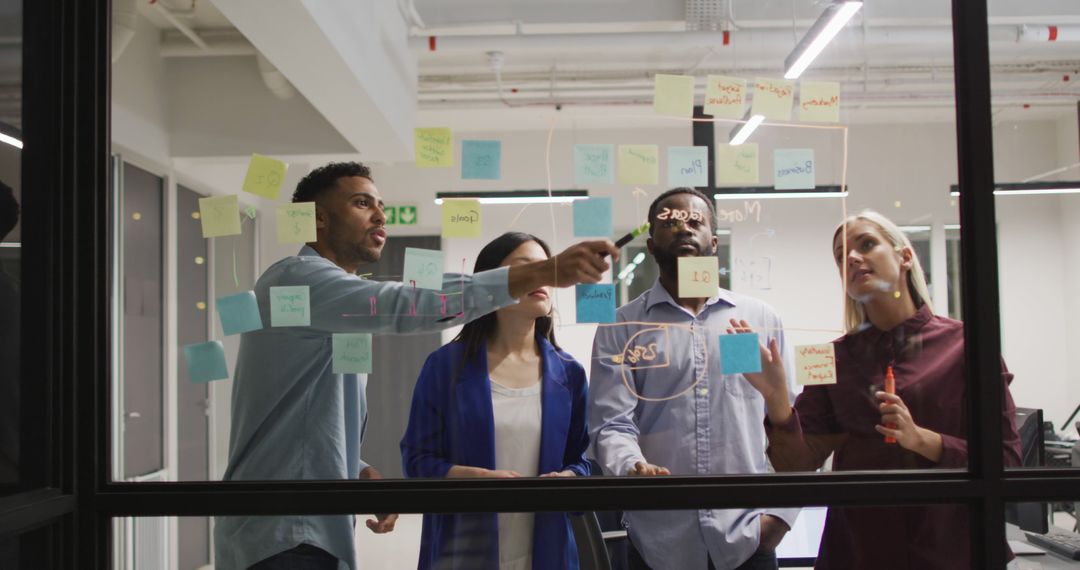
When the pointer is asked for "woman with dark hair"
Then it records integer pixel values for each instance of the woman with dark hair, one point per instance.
(500, 400)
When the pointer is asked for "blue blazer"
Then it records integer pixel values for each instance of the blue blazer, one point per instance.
(452, 423)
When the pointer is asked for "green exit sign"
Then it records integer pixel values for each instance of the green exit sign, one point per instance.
(401, 215)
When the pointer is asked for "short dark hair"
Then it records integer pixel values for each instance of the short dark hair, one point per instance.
(325, 177)
(476, 332)
(681, 190)
(9, 210)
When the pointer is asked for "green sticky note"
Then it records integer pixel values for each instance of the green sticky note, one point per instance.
(725, 97)
(740, 353)
(674, 95)
(290, 306)
(206, 361)
(423, 268)
(296, 222)
(220, 216)
(594, 164)
(265, 176)
(239, 313)
(352, 353)
(688, 166)
(481, 160)
(773, 98)
(434, 148)
(639, 164)
(737, 164)
(698, 276)
(461, 219)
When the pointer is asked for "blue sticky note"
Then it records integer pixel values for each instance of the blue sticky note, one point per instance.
(206, 361)
(740, 353)
(481, 160)
(595, 303)
(290, 306)
(688, 166)
(793, 169)
(352, 353)
(594, 164)
(424, 267)
(592, 217)
(239, 313)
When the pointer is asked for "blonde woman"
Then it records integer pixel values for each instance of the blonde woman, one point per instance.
(890, 325)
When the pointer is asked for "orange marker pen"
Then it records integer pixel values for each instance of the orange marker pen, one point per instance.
(890, 388)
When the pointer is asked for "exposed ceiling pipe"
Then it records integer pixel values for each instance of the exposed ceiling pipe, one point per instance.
(274, 79)
(124, 20)
(176, 23)
(219, 43)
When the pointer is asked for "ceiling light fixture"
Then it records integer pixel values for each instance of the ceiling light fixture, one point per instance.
(768, 192)
(516, 196)
(1033, 188)
(828, 24)
(746, 130)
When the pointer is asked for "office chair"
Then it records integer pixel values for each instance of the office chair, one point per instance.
(592, 552)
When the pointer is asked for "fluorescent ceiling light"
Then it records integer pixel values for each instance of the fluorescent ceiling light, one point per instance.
(831, 21)
(746, 130)
(1028, 188)
(10, 140)
(13, 244)
(516, 196)
(914, 229)
(746, 196)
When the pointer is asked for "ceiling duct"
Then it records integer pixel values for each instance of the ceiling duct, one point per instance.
(706, 15)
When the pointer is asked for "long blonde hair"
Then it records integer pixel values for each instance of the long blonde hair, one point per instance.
(854, 313)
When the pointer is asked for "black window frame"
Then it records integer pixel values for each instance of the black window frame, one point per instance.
(67, 267)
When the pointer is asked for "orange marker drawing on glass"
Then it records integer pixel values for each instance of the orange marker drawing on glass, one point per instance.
(890, 388)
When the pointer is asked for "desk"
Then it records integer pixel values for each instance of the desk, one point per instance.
(1048, 561)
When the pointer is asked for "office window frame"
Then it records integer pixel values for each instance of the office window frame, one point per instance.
(68, 249)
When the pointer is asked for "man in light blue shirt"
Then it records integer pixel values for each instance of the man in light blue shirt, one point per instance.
(292, 417)
(659, 404)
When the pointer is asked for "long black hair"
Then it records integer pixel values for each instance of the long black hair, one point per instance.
(479, 331)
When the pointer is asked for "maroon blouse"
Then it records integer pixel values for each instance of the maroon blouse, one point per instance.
(927, 352)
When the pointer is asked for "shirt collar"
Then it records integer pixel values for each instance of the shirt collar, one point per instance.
(904, 330)
(308, 251)
(657, 295)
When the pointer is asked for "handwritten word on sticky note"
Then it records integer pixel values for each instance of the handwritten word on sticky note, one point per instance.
(592, 217)
(739, 353)
(220, 216)
(698, 276)
(688, 166)
(481, 160)
(296, 222)
(424, 267)
(239, 313)
(737, 164)
(639, 164)
(819, 101)
(674, 95)
(725, 97)
(206, 361)
(595, 303)
(773, 98)
(434, 148)
(352, 353)
(594, 164)
(461, 219)
(793, 168)
(815, 364)
(290, 306)
(265, 176)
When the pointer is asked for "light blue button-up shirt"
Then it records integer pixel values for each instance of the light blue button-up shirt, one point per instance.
(690, 418)
(293, 418)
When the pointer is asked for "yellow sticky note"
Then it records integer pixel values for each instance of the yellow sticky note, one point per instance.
(815, 364)
(673, 95)
(698, 276)
(265, 176)
(725, 97)
(639, 164)
(434, 147)
(819, 101)
(220, 216)
(737, 164)
(773, 98)
(461, 219)
(296, 222)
